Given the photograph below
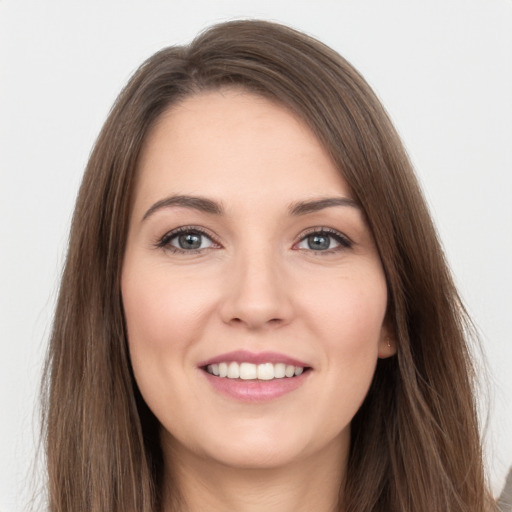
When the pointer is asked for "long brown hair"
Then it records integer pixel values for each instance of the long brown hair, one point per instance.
(415, 442)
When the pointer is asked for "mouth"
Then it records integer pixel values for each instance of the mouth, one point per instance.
(250, 377)
(250, 371)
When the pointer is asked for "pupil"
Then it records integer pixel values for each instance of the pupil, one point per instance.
(318, 242)
(190, 241)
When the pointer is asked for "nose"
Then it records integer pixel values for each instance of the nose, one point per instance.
(257, 293)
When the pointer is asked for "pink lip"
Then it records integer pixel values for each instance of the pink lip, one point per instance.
(243, 356)
(256, 390)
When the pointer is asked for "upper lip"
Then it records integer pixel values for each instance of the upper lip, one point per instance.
(244, 356)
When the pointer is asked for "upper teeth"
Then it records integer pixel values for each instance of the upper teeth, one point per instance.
(249, 371)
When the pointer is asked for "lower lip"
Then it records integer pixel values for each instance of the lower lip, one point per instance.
(256, 390)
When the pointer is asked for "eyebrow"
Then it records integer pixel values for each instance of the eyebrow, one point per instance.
(205, 205)
(194, 202)
(305, 207)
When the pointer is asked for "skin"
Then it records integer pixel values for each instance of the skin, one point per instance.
(254, 284)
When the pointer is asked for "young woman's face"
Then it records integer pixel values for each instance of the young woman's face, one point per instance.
(247, 255)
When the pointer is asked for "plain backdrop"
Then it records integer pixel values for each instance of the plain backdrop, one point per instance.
(443, 69)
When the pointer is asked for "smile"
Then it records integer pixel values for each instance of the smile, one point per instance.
(250, 371)
(255, 377)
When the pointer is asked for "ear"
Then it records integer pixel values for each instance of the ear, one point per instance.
(387, 342)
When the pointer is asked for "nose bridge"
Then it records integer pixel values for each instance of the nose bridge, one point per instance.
(257, 293)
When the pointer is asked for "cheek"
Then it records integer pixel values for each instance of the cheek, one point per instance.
(164, 316)
(349, 319)
(163, 312)
(350, 311)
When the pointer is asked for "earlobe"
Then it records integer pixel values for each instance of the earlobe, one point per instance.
(387, 344)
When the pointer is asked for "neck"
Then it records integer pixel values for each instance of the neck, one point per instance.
(312, 483)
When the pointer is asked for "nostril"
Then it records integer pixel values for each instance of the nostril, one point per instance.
(255, 323)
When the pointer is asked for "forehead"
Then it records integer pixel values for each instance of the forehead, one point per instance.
(233, 144)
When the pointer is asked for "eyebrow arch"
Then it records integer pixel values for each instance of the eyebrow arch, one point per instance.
(304, 207)
(197, 203)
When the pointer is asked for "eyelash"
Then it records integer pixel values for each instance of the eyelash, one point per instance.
(343, 241)
(165, 241)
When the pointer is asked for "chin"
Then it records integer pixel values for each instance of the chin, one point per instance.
(260, 446)
(258, 455)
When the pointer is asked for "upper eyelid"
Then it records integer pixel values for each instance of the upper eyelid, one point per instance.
(182, 229)
(323, 229)
(319, 229)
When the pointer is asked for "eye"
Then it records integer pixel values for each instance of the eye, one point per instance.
(324, 240)
(186, 239)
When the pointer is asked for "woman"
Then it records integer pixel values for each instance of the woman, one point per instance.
(255, 312)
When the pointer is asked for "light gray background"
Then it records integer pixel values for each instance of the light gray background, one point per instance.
(443, 68)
